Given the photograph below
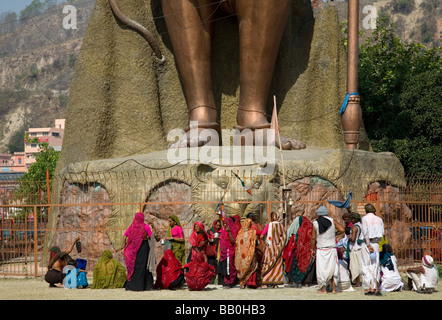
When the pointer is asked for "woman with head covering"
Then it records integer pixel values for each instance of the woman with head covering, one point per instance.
(108, 273)
(200, 272)
(170, 274)
(390, 278)
(355, 240)
(215, 228)
(226, 267)
(136, 254)
(258, 226)
(175, 235)
(199, 241)
(247, 256)
(298, 261)
(57, 261)
(237, 220)
(272, 269)
(213, 253)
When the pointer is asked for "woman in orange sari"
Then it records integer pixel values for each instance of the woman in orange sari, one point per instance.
(247, 255)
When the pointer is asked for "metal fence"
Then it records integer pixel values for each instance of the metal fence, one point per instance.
(412, 216)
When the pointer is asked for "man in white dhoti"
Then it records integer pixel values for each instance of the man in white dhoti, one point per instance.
(391, 279)
(425, 277)
(372, 231)
(324, 238)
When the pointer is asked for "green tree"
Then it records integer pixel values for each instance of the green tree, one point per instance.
(400, 87)
(33, 184)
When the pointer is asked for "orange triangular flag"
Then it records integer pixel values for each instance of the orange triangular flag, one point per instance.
(274, 122)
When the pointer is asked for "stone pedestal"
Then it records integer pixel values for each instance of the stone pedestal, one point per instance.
(102, 196)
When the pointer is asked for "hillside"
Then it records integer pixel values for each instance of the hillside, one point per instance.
(36, 67)
(414, 20)
(37, 59)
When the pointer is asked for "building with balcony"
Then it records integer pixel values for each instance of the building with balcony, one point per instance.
(35, 136)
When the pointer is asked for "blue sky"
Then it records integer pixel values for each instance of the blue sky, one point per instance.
(16, 5)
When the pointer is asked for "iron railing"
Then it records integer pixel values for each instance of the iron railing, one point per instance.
(35, 216)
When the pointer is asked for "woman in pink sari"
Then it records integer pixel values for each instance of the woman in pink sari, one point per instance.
(226, 267)
(136, 253)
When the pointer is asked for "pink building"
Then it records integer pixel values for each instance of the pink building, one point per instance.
(35, 136)
(12, 163)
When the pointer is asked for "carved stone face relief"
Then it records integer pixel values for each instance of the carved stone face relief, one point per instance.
(214, 184)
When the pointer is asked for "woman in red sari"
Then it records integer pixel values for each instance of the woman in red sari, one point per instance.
(200, 272)
(215, 229)
(299, 262)
(170, 274)
(226, 267)
(199, 241)
(237, 220)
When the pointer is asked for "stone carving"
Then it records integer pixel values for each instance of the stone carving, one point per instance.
(192, 191)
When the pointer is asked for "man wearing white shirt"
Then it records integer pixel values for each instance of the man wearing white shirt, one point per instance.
(372, 231)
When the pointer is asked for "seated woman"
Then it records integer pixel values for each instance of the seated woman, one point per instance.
(200, 272)
(108, 273)
(57, 261)
(170, 274)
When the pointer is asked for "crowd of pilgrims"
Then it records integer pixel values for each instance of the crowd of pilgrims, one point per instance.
(245, 253)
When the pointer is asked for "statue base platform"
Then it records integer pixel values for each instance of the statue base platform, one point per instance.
(191, 182)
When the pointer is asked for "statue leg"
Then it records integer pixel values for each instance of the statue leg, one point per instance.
(261, 26)
(190, 29)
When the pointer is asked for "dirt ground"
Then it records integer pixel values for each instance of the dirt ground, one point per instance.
(37, 289)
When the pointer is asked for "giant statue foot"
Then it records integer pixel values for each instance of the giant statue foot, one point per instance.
(264, 135)
(197, 135)
(202, 130)
(208, 134)
(289, 144)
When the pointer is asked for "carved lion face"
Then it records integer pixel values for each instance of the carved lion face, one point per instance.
(214, 184)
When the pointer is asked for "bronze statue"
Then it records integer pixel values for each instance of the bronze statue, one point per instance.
(190, 24)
